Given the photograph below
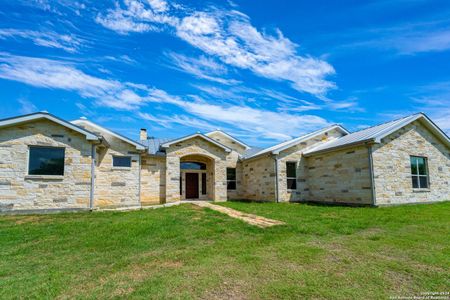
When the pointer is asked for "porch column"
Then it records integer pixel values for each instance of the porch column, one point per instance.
(172, 178)
(220, 181)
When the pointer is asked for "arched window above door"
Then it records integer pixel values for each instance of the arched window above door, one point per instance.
(192, 165)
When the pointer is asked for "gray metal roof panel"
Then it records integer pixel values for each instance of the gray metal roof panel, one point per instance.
(292, 142)
(365, 135)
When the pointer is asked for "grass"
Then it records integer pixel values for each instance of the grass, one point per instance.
(187, 252)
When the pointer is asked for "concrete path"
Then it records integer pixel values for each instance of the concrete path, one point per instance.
(248, 218)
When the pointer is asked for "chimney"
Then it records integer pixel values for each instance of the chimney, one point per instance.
(143, 134)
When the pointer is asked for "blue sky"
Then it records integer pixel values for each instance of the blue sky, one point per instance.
(264, 71)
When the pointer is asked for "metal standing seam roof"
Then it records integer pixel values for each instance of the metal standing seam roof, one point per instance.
(287, 144)
(374, 134)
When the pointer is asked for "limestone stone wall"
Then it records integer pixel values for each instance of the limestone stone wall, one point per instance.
(153, 180)
(232, 161)
(392, 170)
(342, 176)
(195, 146)
(295, 154)
(20, 191)
(226, 141)
(259, 179)
(115, 186)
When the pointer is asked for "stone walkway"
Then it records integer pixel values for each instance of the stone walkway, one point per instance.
(248, 218)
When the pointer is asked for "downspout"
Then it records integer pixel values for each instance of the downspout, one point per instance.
(91, 195)
(277, 193)
(139, 183)
(372, 179)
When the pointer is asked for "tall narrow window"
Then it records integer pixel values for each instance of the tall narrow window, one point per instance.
(231, 178)
(291, 175)
(419, 172)
(203, 183)
(46, 161)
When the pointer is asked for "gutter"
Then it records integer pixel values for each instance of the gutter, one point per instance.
(372, 179)
(337, 148)
(277, 193)
(93, 159)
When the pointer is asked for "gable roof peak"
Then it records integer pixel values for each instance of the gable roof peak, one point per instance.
(230, 137)
(138, 146)
(46, 115)
(201, 135)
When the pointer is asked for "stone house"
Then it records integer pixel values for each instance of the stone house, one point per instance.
(47, 163)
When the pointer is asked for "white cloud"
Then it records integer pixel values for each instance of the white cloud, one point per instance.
(55, 74)
(130, 96)
(69, 43)
(264, 123)
(434, 99)
(136, 17)
(229, 37)
(423, 42)
(26, 107)
(202, 67)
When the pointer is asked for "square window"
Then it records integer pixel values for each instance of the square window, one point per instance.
(46, 161)
(291, 184)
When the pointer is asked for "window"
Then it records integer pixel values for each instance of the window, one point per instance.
(291, 175)
(122, 161)
(231, 178)
(419, 172)
(46, 161)
(190, 165)
(203, 183)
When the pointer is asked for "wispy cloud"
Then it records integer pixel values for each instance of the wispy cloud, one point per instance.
(229, 37)
(403, 38)
(119, 95)
(264, 123)
(66, 42)
(56, 74)
(26, 106)
(434, 99)
(202, 67)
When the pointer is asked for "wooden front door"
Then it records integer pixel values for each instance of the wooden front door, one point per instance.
(192, 186)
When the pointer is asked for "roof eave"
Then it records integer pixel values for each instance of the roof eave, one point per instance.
(337, 148)
(44, 115)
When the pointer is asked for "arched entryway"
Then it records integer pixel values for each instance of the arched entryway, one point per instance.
(196, 177)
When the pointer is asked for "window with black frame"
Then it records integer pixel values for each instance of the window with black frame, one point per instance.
(291, 175)
(122, 161)
(419, 172)
(231, 178)
(46, 161)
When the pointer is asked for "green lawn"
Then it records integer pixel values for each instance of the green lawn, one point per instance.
(186, 252)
